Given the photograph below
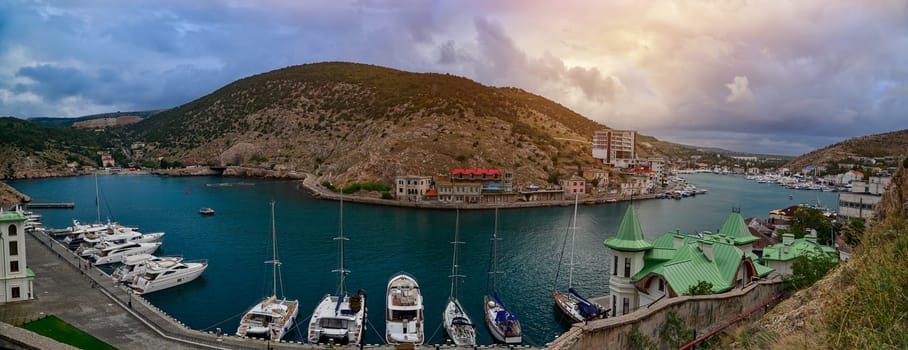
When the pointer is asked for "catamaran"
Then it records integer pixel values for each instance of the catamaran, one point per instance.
(339, 318)
(457, 323)
(272, 318)
(503, 324)
(572, 304)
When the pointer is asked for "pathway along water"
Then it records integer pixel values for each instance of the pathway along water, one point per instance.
(384, 240)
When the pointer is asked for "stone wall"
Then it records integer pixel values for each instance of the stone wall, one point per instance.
(703, 313)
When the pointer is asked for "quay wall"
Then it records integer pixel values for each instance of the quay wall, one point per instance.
(702, 313)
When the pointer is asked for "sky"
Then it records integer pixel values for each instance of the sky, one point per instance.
(776, 77)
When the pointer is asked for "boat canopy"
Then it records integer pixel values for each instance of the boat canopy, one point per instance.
(586, 307)
(503, 315)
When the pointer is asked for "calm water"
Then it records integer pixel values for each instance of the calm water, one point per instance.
(383, 240)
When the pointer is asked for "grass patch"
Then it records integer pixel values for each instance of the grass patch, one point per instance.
(57, 329)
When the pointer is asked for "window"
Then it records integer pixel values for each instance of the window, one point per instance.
(615, 268)
(14, 293)
(13, 266)
(625, 306)
(614, 305)
(13, 248)
(661, 285)
(627, 267)
(12, 230)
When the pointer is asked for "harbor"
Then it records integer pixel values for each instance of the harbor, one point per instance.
(413, 240)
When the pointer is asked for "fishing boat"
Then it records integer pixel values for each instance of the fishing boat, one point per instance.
(503, 324)
(160, 275)
(404, 311)
(572, 304)
(206, 211)
(457, 323)
(339, 318)
(271, 318)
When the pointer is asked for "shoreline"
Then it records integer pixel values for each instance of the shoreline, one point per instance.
(309, 184)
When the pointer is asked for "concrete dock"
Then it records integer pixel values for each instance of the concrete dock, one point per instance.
(88, 299)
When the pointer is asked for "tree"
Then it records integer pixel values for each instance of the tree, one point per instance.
(808, 269)
(701, 288)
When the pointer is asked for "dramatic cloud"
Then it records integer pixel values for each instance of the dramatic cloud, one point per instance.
(777, 76)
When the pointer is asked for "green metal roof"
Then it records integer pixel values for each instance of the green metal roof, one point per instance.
(736, 229)
(11, 216)
(29, 272)
(762, 270)
(796, 248)
(686, 266)
(630, 234)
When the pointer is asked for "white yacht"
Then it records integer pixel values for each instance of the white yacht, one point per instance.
(135, 265)
(404, 311)
(112, 253)
(456, 321)
(339, 318)
(271, 318)
(161, 275)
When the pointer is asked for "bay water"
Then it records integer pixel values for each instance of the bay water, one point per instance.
(384, 240)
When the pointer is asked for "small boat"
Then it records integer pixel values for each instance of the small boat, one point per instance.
(503, 324)
(456, 321)
(572, 304)
(404, 311)
(271, 318)
(339, 318)
(206, 211)
(160, 275)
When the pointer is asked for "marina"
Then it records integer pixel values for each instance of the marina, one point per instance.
(411, 240)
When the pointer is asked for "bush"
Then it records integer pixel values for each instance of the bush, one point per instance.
(806, 270)
(639, 341)
(701, 288)
(386, 195)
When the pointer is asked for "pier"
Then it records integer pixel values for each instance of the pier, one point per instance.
(68, 205)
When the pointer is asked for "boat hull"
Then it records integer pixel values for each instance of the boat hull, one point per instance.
(567, 306)
(404, 311)
(458, 325)
(193, 272)
(500, 331)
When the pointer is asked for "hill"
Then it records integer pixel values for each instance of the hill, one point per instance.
(63, 121)
(356, 121)
(891, 145)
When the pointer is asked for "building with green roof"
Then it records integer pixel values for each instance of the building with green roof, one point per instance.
(674, 262)
(15, 277)
(781, 256)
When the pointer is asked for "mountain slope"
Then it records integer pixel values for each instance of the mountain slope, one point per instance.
(891, 144)
(358, 121)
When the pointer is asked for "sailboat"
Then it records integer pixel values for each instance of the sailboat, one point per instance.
(339, 318)
(458, 325)
(271, 318)
(572, 304)
(503, 324)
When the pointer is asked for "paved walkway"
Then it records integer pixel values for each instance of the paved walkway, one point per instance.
(88, 299)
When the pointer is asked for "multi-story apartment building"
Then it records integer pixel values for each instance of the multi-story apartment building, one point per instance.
(615, 147)
(574, 186)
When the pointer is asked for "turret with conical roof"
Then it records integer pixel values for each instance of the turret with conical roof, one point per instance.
(736, 229)
(627, 249)
(630, 234)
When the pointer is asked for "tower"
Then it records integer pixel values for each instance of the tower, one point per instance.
(15, 277)
(627, 249)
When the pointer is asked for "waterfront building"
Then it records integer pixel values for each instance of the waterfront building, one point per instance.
(863, 199)
(674, 263)
(637, 184)
(781, 256)
(15, 276)
(412, 187)
(615, 147)
(576, 185)
(476, 186)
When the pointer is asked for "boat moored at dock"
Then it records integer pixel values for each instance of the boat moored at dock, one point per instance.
(404, 311)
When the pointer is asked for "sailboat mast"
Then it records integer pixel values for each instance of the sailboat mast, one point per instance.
(342, 273)
(274, 260)
(495, 254)
(454, 267)
(573, 233)
(97, 199)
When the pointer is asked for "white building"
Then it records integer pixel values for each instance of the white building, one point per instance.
(863, 198)
(15, 276)
(615, 147)
(412, 187)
